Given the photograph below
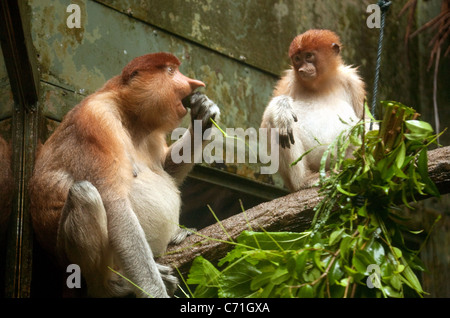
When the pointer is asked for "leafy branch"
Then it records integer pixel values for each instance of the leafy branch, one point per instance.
(355, 228)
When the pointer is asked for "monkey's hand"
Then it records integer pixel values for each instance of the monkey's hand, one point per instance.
(283, 119)
(204, 109)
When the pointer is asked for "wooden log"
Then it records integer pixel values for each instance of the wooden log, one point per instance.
(293, 212)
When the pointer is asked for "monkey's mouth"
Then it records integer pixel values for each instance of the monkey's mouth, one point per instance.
(307, 76)
(186, 102)
(182, 109)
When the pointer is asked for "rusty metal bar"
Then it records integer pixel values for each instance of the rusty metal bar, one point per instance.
(23, 76)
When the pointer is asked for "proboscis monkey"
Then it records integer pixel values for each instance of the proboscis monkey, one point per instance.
(310, 103)
(104, 192)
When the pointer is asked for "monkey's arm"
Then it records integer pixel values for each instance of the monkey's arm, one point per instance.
(355, 88)
(280, 114)
(202, 110)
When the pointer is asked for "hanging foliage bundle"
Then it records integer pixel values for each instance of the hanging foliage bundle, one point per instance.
(355, 246)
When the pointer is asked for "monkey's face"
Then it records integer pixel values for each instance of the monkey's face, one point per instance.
(154, 88)
(304, 64)
(182, 86)
(315, 55)
(316, 66)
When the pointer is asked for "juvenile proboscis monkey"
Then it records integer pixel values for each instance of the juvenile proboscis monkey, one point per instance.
(104, 192)
(310, 103)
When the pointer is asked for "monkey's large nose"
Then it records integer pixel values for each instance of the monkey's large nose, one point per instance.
(194, 84)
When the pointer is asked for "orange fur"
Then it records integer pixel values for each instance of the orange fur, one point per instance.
(311, 40)
(325, 46)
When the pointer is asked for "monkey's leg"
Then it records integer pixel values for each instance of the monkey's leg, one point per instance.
(128, 241)
(83, 237)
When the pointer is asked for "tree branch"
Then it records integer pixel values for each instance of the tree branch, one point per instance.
(293, 212)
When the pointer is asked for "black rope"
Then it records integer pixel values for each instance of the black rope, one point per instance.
(384, 6)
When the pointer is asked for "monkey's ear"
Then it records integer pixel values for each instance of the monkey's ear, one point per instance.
(336, 48)
(126, 77)
(133, 74)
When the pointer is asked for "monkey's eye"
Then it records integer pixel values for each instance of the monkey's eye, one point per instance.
(297, 58)
(171, 70)
(309, 56)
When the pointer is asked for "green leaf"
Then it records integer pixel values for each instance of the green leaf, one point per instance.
(280, 276)
(399, 173)
(311, 275)
(286, 291)
(204, 274)
(396, 282)
(422, 167)
(260, 280)
(335, 273)
(376, 250)
(400, 268)
(235, 253)
(296, 265)
(391, 292)
(417, 264)
(397, 252)
(346, 245)
(235, 280)
(335, 236)
(340, 189)
(411, 278)
(386, 269)
(306, 291)
(317, 261)
(400, 156)
(361, 260)
(267, 291)
(362, 211)
(419, 127)
(355, 140)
